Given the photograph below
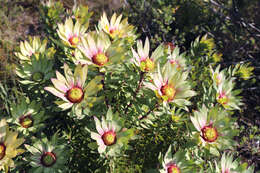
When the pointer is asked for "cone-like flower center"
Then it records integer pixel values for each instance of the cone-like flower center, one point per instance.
(168, 92)
(172, 168)
(37, 76)
(222, 98)
(26, 121)
(147, 65)
(75, 94)
(100, 59)
(175, 63)
(48, 159)
(74, 40)
(111, 31)
(209, 133)
(114, 32)
(109, 138)
(2, 151)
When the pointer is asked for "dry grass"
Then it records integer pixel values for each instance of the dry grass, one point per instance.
(20, 18)
(98, 5)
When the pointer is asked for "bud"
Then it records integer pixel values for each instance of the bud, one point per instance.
(26, 121)
(37, 76)
(48, 159)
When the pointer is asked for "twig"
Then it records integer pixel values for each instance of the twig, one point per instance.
(136, 91)
(239, 20)
(151, 110)
(104, 88)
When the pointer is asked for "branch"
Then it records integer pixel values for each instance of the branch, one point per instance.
(151, 110)
(240, 19)
(136, 91)
(104, 88)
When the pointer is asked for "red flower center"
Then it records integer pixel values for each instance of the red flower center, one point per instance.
(26, 121)
(111, 31)
(109, 138)
(74, 40)
(75, 94)
(2, 151)
(48, 159)
(173, 169)
(222, 98)
(114, 32)
(147, 65)
(175, 62)
(209, 133)
(168, 92)
(100, 59)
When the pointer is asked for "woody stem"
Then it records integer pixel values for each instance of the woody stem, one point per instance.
(150, 111)
(136, 91)
(104, 88)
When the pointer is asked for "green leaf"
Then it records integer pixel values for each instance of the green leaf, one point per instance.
(109, 114)
(152, 171)
(214, 151)
(93, 145)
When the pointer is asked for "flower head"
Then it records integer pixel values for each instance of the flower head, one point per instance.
(176, 59)
(142, 59)
(72, 88)
(116, 28)
(36, 72)
(176, 163)
(8, 146)
(226, 96)
(71, 34)
(217, 76)
(110, 137)
(81, 13)
(47, 156)
(245, 71)
(169, 46)
(27, 49)
(217, 57)
(170, 85)
(207, 43)
(214, 127)
(28, 116)
(228, 165)
(98, 50)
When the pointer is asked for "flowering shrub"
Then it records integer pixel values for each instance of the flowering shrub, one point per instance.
(115, 104)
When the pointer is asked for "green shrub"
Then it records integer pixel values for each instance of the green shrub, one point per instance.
(99, 100)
